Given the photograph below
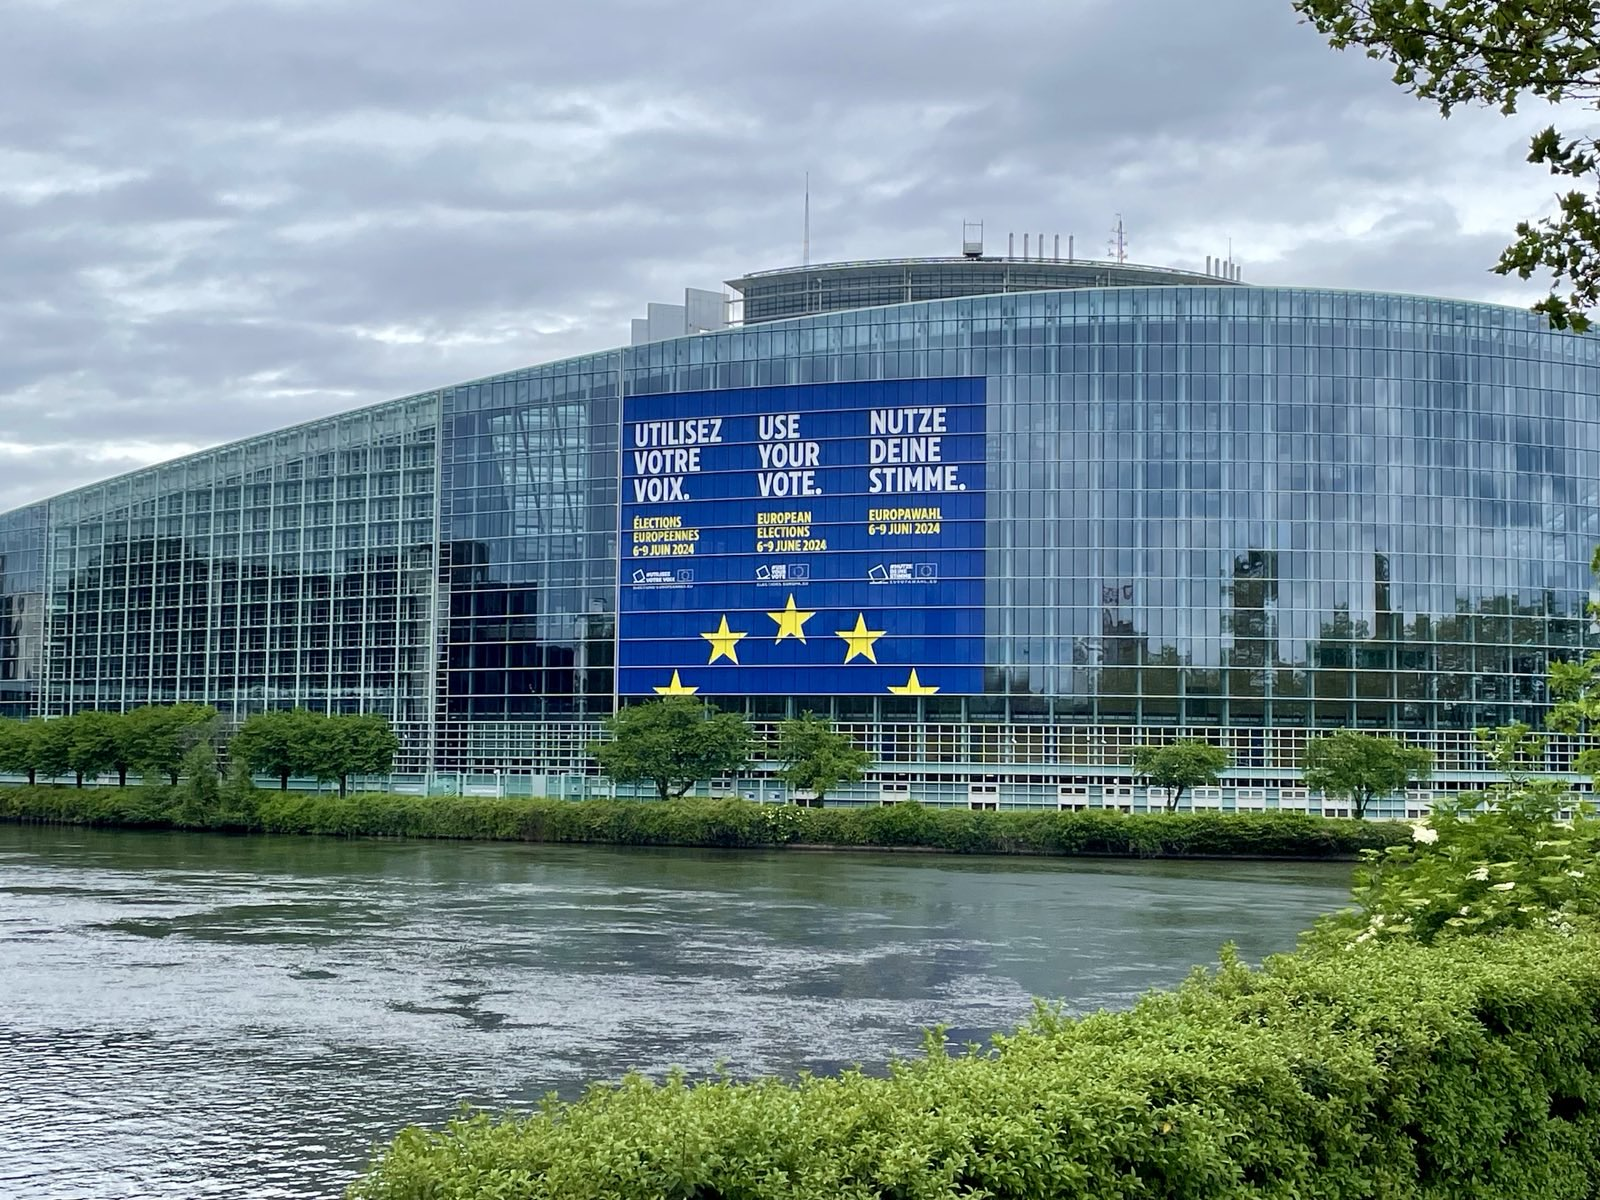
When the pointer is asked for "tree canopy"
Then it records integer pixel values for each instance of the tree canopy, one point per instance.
(96, 742)
(163, 734)
(274, 743)
(1500, 53)
(673, 742)
(51, 746)
(1179, 766)
(340, 746)
(817, 758)
(180, 740)
(17, 748)
(1360, 767)
(89, 743)
(285, 743)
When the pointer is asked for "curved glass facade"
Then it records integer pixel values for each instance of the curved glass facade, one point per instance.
(21, 609)
(1244, 513)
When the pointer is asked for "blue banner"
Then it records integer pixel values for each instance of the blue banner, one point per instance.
(811, 541)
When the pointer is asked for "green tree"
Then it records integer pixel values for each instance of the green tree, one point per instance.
(373, 745)
(121, 742)
(237, 805)
(200, 794)
(817, 758)
(1500, 53)
(338, 747)
(17, 755)
(52, 746)
(96, 742)
(162, 734)
(122, 745)
(1179, 766)
(673, 742)
(1360, 767)
(275, 743)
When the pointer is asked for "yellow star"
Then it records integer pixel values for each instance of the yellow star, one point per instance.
(859, 640)
(791, 621)
(676, 688)
(724, 642)
(913, 687)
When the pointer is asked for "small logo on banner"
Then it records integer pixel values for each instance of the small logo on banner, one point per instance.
(904, 573)
(656, 579)
(785, 573)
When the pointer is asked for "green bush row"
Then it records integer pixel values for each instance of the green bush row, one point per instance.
(697, 822)
(1314, 1076)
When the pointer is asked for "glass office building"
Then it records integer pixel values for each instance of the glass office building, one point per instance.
(1248, 514)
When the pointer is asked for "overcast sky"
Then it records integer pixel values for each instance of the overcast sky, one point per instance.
(219, 218)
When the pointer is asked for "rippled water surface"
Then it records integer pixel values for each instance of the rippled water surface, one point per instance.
(190, 1015)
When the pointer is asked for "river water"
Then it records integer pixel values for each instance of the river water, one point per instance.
(192, 1015)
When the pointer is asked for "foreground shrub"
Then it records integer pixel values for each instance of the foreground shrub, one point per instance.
(728, 823)
(1511, 865)
(1471, 1068)
(134, 807)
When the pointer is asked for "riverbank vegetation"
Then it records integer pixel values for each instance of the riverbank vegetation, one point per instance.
(158, 741)
(675, 742)
(1438, 1039)
(692, 821)
(1360, 767)
(152, 740)
(671, 743)
(1178, 766)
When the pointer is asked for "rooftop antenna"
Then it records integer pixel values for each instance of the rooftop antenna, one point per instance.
(1118, 247)
(805, 251)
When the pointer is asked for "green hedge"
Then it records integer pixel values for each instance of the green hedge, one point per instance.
(1477, 1076)
(694, 822)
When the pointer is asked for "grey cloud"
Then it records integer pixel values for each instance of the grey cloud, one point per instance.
(243, 201)
(1421, 252)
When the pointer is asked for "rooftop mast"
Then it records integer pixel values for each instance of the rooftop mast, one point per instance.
(1118, 247)
(805, 249)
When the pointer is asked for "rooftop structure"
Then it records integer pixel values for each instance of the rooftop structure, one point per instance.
(700, 312)
(829, 287)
